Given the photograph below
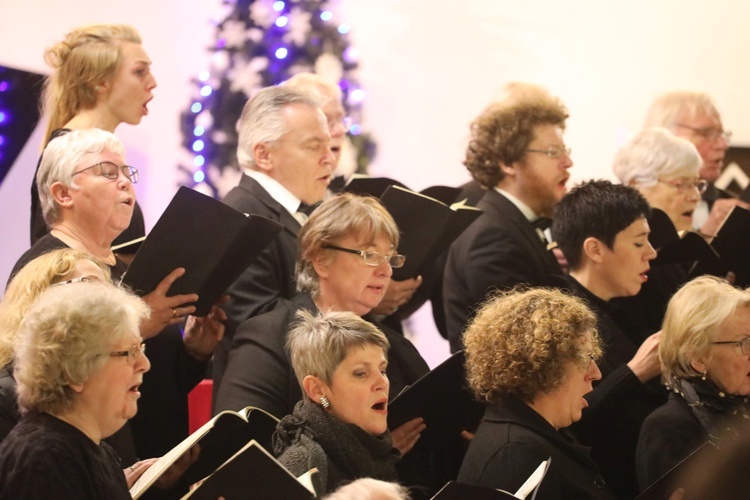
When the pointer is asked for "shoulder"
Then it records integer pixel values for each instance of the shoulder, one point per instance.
(273, 324)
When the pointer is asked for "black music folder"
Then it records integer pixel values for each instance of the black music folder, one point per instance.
(212, 241)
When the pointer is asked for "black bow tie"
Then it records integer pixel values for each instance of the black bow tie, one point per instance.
(542, 223)
(307, 209)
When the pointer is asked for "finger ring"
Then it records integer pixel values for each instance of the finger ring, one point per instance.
(174, 313)
(132, 468)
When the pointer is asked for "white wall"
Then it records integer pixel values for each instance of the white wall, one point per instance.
(428, 66)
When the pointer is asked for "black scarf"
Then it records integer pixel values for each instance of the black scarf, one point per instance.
(717, 412)
(352, 452)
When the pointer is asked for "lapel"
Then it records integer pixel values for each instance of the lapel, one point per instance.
(504, 209)
(251, 186)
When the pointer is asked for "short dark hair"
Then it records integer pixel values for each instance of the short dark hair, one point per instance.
(596, 209)
(503, 132)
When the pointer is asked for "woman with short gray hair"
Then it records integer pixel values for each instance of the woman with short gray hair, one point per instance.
(79, 364)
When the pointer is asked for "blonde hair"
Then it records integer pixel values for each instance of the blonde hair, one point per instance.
(33, 279)
(85, 58)
(696, 311)
(318, 344)
(341, 216)
(520, 341)
(67, 337)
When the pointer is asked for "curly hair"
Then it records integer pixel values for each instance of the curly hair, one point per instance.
(86, 57)
(520, 342)
(65, 339)
(503, 132)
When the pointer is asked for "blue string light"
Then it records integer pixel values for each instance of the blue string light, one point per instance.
(326, 15)
(344, 29)
(198, 145)
(199, 176)
(198, 131)
(196, 107)
(281, 53)
(278, 6)
(206, 90)
(199, 161)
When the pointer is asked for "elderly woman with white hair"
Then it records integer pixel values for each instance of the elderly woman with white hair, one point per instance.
(664, 169)
(79, 365)
(705, 355)
(87, 198)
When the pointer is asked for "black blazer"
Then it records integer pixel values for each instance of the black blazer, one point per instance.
(269, 280)
(498, 251)
(259, 372)
(513, 440)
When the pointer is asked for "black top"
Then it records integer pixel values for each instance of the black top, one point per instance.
(39, 228)
(9, 414)
(44, 457)
(513, 440)
(619, 401)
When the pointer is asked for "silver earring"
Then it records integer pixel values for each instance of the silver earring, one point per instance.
(703, 377)
(324, 402)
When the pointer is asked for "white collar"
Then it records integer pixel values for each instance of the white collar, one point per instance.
(276, 190)
(523, 207)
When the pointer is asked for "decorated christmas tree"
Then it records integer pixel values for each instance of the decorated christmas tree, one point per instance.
(261, 43)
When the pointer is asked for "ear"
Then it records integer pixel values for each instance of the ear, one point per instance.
(593, 249)
(699, 364)
(61, 194)
(77, 387)
(263, 157)
(509, 169)
(314, 387)
(320, 263)
(103, 87)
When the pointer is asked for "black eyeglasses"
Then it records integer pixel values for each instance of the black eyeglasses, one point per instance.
(553, 151)
(110, 171)
(709, 133)
(373, 259)
(132, 353)
(744, 344)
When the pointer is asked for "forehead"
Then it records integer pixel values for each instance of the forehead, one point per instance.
(104, 155)
(133, 53)
(638, 227)
(701, 118)
(365, 353)
(304, 123)
(547, 134)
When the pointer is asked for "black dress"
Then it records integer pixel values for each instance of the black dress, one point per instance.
(44, 457)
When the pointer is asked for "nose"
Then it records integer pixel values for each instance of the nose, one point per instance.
(650, 253)
(151, 82)
(382, 382)
(593, 372)
(329, 160)
(336, 128)
(566, 161)
(384, 269)
(142, 364)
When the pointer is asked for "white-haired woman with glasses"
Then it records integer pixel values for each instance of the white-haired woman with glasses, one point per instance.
(705, 356)
(664, 169)
(347, 252)
(79, 363)
(87, 197)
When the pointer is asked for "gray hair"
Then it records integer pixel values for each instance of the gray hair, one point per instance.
(262, 120)
(696, 311)
(320, 88)
(668, 109)
(341, 216)
(65, 339)
(367, 488)
(60, 159)
(653, 153)
(318, 344)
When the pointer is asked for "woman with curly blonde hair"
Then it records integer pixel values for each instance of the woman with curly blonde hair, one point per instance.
(531, 356)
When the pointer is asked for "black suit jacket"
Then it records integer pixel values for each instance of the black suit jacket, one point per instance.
(513, 440)
(269, 281)
(499, 250)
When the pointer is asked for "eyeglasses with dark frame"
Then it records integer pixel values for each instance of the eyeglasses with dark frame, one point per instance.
(110, 170)
(744, 344)
(709, 133)
(700, 185)
(131, 354)
(554, 152)
(373, 259)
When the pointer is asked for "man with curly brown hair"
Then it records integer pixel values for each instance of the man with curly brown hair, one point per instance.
(518, 154)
